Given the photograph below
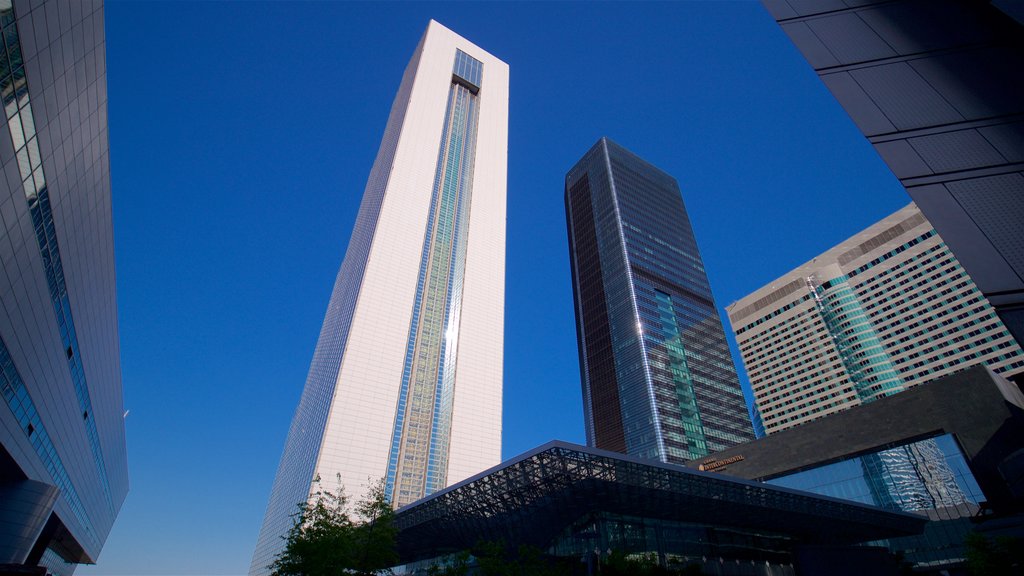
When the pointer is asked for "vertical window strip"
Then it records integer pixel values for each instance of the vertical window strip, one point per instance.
(872, 373)
(21, 126)
(408, 368)
(418, 463)
(441, 428)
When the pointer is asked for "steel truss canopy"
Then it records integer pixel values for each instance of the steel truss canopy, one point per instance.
(532, 498)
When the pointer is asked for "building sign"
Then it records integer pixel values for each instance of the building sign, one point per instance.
(713, 464)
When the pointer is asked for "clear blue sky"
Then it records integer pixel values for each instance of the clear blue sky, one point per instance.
(241, 136)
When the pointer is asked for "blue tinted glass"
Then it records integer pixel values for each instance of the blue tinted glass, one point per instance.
(929, 474)
(468, 68)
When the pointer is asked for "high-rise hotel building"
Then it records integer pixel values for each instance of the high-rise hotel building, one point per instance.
(63, 463)
(887, 309)
(658, 379)
(405, 382)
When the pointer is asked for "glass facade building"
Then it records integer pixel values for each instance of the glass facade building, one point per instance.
(63, 464)
(930, 477)
(569, 502)
(945, 451)
(658, 379)
(937, 87)
(886, 310)
(405, 382)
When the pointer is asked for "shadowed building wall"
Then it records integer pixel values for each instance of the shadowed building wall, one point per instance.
(937, 86)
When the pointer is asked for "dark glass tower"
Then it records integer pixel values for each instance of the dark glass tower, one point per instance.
(658, 380)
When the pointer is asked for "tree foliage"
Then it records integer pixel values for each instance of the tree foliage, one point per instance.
(325, 541)
(497, 559)
(998, 556)
(619, 563)
(375, 533)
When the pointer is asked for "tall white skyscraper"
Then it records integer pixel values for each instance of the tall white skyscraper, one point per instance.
(405, 382)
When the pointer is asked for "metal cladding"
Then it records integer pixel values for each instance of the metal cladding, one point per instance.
(937, 86)
(531, 499)
(61, 408)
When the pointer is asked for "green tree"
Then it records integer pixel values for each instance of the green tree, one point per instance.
(325, 541)
(994, 557)
(495, 559)
(375, 534)
(320, 542)
(457, 565)
(532, 562)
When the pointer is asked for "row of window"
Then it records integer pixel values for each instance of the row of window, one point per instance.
(786, 351)
(766, 340)
(418, 461)
(891, 253)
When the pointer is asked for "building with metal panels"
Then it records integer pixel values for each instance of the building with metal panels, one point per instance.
(937, 86)
(950, 450)
(63, 462)
(658, 379)
(569, 500)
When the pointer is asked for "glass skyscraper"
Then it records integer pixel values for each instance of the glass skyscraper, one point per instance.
(63, 462)
(405, 382)
(658, 379)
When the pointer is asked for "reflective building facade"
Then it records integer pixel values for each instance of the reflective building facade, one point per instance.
(578, 504)
(937, 86)
(948, 451)
(63, 464)
(929, 477)
(885, 310)
(405, 382)
(658, 379)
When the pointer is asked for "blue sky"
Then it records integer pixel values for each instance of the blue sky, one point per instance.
(241, 137)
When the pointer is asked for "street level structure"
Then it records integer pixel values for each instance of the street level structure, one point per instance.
(948, 450)
(580, 504)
